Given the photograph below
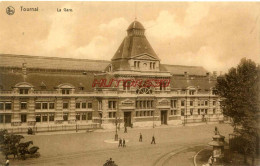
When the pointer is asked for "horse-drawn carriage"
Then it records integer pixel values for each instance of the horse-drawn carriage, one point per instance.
(10, 145)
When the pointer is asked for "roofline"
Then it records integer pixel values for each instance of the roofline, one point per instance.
(57, 58)
(182, 65)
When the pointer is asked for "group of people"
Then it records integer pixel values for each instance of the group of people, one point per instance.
(121, 142)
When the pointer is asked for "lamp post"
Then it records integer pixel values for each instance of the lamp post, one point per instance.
(153, 119)
(116, 135)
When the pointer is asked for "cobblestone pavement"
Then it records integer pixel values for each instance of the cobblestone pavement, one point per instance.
(91, 150)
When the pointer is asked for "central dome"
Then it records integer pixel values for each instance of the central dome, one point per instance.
(135, 25)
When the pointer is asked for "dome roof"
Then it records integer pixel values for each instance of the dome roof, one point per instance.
(135, 25)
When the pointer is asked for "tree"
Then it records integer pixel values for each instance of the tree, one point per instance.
(239, 90)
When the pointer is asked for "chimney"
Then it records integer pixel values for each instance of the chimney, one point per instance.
(24, 69)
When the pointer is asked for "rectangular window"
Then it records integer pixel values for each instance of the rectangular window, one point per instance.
(144, 104)
(137, 113)
(38, 106)
(1, 118)
(148, 113)
(214, 110)
(90, 116)
(175, 112)
(114, 104)
(114, 114)
(84, 105)
(198, 111)
(8, 106)
(214, 103)
(144, 113)
(84, 117)
(51, 105)
(77, 105)
(152, 113)
(191, 103)
(182, 112)
(206, 111)
(51, 117)
(8, 118)
(89, 105)
(141, 104)
(136, 104)
(110, 104)
(44, 105)
(191, 111)
(78, 116)
(23, 118)
(206, 102)
(171, 112)
(23, 105)
(45, 117)
(110, 115)
(65, 105)
(151, 104)
(183, 103)
(1, 106)
(148, 104)
(65, 116)
(141, 113)
(38, 118)
(198, 102)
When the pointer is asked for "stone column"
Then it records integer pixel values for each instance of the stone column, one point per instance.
(72, 113)
(16, 117)
(58, 113)
(31, 112)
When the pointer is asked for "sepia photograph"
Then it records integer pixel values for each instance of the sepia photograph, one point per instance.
(129, 83)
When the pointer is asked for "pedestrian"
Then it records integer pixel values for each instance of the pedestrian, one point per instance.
(125, 130)
(140, 138)
(124, 143)
(153, 140)
(7, 163)
(120, 142)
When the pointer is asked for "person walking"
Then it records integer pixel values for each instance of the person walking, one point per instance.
(120, 142)
(153, 140)
(124, 143)
(140, 138)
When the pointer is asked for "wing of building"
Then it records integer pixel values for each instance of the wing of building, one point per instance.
(133, 89)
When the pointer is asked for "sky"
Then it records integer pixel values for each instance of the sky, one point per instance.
(215, 35)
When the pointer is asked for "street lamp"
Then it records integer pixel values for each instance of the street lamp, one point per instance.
(116, 135)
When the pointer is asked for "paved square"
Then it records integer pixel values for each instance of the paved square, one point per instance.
(90, 148)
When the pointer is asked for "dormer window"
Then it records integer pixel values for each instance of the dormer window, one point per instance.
(136, 64)
(65, 91)
(81, 88)
(192, 92)
(24, 91)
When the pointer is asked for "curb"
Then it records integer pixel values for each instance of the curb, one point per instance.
(194, 158)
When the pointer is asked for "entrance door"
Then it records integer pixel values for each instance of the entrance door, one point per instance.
(164, 117)
(127, 119)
